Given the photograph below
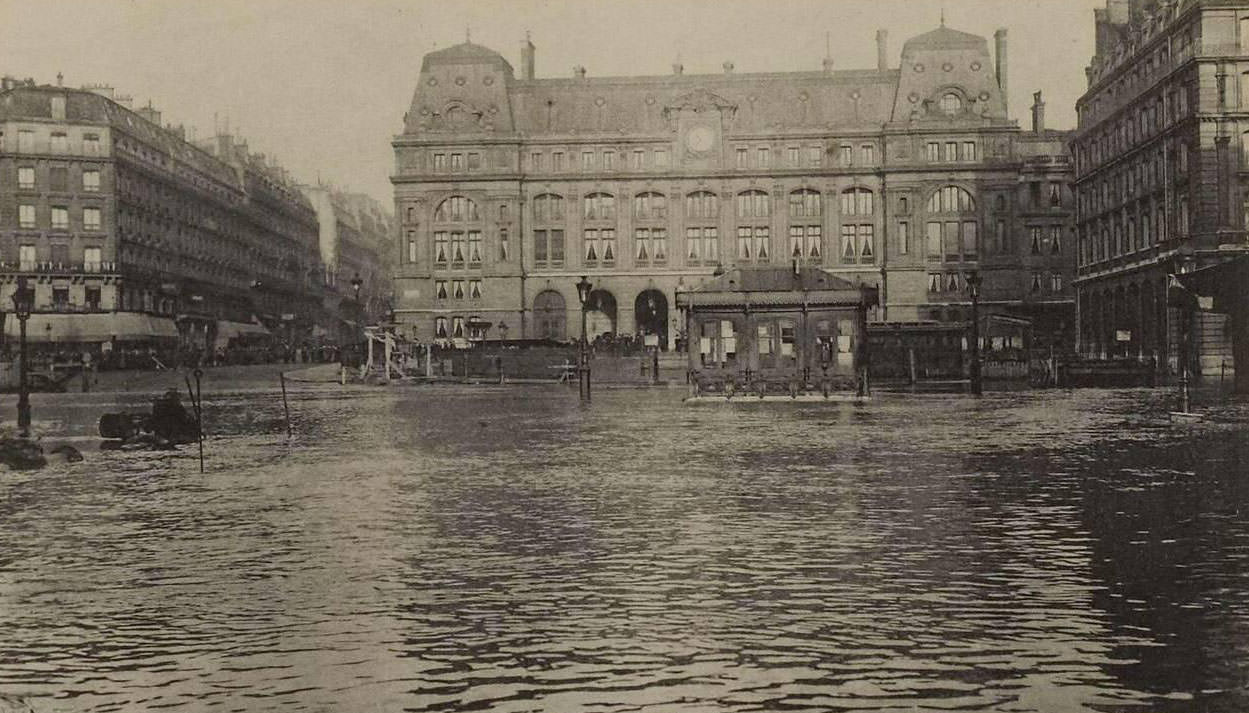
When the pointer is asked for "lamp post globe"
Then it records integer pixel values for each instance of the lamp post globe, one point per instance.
(23, 303)
(973, 287)
(583, 362)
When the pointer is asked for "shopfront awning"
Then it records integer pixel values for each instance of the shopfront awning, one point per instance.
(92, 328)
(227, 330)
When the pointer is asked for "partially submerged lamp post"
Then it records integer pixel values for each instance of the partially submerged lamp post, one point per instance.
(583, 362)
(23, 302)
(973, 286)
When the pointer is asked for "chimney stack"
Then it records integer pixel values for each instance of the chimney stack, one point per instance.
(678, 68)
(882, 49)
(728, 67)
(578, 72)
(999, 41)
(1038, 114)
(526, 58)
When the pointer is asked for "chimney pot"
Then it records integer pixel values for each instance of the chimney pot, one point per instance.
(579, 72)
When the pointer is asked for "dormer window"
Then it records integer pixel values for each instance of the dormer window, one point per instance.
(951, 104)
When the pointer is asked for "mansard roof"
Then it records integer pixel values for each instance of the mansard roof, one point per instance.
(464, 53)
(944, 38)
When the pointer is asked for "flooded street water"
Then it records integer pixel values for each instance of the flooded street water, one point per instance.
(460, 548)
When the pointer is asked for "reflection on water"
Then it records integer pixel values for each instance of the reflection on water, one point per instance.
(505, 550)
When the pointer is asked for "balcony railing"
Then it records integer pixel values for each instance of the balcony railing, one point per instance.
(59, 268)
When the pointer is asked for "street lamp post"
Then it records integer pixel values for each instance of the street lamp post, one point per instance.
(583, 362)
(973, 285)
(23, 302)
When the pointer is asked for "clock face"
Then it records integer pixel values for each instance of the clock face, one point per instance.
(699, 139)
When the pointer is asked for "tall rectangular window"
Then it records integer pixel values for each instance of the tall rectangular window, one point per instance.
(763, 247)
(932, 240)
(60, 142)
(933, 151)
(25, 141)
(793, 156)
(60, 217)
(951, 151)
(535, 161)
(441, 249)
(91, 181)
(661, 158)
(849, 249)
(969, 151)
(904, 238)
(440, 162)
(743, 158)
(845, 155)
(26, 177)
(867, 154)
(504, 245)
(457, 162)
(90, 218)
(557, 161)
(609, 160)
(91, 144)
(743, 243)
(764, 157)
(412, 247)
(815, 155)
(27, 257)
(474, 247)
(587, 160)
(474, 161)
(58, 178)
(638, 161)
(26, 216)
(91, 258)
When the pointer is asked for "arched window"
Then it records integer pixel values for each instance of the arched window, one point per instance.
(599, 241)
(806, 233)
(857, 201)
(702, 236)
(650, 239)
(549, 314)
(754, 237)
(548, 208)
(702, 204)
(954, 236)
(858, 229)
(951, 199)
(457, 209)
(951, 104)
(548, 230)
(650, 206)
(599, 206)
(455, 245)
(804, 203)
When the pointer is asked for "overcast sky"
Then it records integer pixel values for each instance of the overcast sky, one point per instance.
(324, 85)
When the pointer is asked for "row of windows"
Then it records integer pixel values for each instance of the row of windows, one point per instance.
(1142, 174)
(58, 179)
(956, 282)
(59, 217)
(945, 241)
(58, 142)
(559, 161)
(58, 254)
(457, 289)
(950, 151)
(1132, 231)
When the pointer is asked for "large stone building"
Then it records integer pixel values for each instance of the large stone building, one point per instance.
(355, 235)
(508, 188)
(133, 236)
(1160, 175)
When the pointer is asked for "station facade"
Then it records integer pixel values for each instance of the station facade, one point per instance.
(509, 187)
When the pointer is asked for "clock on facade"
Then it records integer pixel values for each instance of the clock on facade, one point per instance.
(699, 139)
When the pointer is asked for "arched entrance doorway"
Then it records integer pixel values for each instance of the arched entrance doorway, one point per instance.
(650, 310)
(600, 315)
(550, 316)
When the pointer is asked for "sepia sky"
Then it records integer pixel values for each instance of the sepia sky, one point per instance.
(323, 85)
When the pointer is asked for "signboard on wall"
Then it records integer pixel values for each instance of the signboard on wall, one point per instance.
(1123, 335)
(652, 340)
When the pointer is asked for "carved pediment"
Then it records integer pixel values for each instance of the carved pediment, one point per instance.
(700, 100)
